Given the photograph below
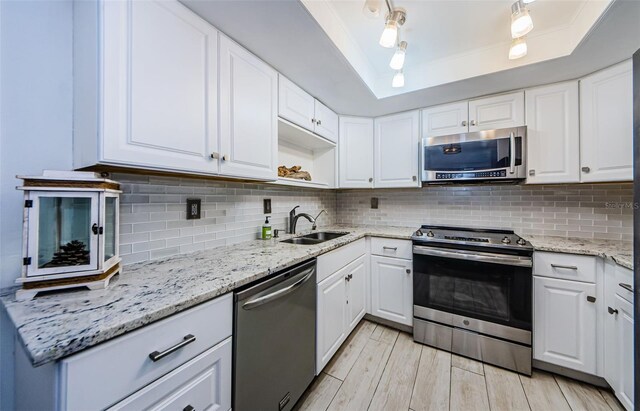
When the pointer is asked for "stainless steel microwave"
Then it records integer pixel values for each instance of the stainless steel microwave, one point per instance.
(477, 156)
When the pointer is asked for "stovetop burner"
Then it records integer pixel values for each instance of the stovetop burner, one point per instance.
(471, 236)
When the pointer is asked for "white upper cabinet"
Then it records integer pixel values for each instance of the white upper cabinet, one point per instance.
(295, 105)
(299, 107)
(156, 107)
(248, 114)
(355, 152)
(501, 111)
(327, 123)
(553, 134)
(396, 142)
(446, 119)
(564, 329)
(606, 123)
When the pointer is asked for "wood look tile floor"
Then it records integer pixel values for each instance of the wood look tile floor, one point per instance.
(379, 368)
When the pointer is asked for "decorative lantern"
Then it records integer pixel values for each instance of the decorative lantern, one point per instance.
(70, 232)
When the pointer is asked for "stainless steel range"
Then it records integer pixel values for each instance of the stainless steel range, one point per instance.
(472, 294)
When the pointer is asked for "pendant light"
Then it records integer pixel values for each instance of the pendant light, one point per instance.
(398, 80)
(521, 22)
(397, 61)
(518, 48)
(389, 36)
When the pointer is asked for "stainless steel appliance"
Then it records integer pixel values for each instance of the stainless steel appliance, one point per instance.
(479, 156)
(274, 340)
(472, 294)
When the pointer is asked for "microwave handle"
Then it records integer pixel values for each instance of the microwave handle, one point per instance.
(512, 155)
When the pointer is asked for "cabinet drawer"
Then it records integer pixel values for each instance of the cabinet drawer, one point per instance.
(203, 383)
(565, 266)
(624, 283)
(107, 373)
(389, 247)
(332, 261)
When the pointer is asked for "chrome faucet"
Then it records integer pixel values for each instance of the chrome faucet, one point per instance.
(293, 219)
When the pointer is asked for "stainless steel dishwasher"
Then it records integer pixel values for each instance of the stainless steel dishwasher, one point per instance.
(275, 340)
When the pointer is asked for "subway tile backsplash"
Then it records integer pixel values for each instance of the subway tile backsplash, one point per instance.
(573, 210)
(153, 220)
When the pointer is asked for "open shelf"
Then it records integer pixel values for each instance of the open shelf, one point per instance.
(298, 136)
(300, 183)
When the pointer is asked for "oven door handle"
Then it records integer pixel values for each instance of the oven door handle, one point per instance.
(503, 259)
(512, 154)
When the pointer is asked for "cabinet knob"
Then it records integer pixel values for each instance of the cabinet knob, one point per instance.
(591, 299)
(318, 122)
(189, 408)
(214, 155)
(612, 310)
(313, 120)
(586, 169)
(464, 123)
(473, 122)
(224, 157)
(414, 178)
(408, 271)
(532, 172)
(371, 179)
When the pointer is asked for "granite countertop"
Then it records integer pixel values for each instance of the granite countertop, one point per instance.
(57, 325)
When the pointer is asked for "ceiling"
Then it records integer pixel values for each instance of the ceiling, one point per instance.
(456, 66)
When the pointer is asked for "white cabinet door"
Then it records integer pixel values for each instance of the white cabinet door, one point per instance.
(553, 134)
(610, 326)
(392, 289)
(248, 114)
(327, 123)
(294, 104)
(356, 152)
(356, 292)
(159, 103)
(606, 124)
(332, 316)
(502, 111)
(446, 119)
(624, 351)
(396, 142)
(564, 326)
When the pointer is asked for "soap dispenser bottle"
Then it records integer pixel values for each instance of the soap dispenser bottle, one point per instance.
(266, 229)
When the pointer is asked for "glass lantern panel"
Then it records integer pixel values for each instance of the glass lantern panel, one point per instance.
(110, 227)
(64, 231)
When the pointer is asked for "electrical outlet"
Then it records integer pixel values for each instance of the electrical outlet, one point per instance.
(193, 208)
(374, 203)
(267, 205)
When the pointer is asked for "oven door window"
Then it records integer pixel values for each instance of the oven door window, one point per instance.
(472, 155)
(485, 291)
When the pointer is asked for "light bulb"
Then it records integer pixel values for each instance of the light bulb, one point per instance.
(518, 48)
(398, 80)
(397, 61)
(521, 22)
(389, 35)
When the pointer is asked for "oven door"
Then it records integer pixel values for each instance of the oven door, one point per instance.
(496, 288)
(484, 155)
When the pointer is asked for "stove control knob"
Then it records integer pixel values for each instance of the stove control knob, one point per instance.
(506, 240)
(521, 241)
(418, 233)
(430, 234)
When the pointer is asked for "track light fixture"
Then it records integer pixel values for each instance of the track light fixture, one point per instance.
(389, 36)
(521, 22)
(518, 48)
(397, 61)
(398, 80)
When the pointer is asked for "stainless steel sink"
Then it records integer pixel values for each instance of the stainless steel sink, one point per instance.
(314, 238)
(324, 236)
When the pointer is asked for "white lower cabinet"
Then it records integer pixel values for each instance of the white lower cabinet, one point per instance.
(341, 305)
(624, 351)
(564, 326)
(392, 289)
(203, 383)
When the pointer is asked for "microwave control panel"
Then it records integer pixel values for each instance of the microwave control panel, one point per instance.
(474, 174)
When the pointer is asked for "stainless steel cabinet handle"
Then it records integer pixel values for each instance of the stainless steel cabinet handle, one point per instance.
(612, 310)
(158, 355)
(189, 408)
(281, 292)
(390, 248)
(214, 155)
(532, 172)
(566, 267)
(512, 143)
(224, 157)
(371, 179)
(473, 122)
(464, 123)
(491, 258)
(591, 299)
(586, 169)
(626, 287)
(318, 122)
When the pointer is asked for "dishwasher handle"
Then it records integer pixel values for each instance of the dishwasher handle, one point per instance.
(256, 302)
